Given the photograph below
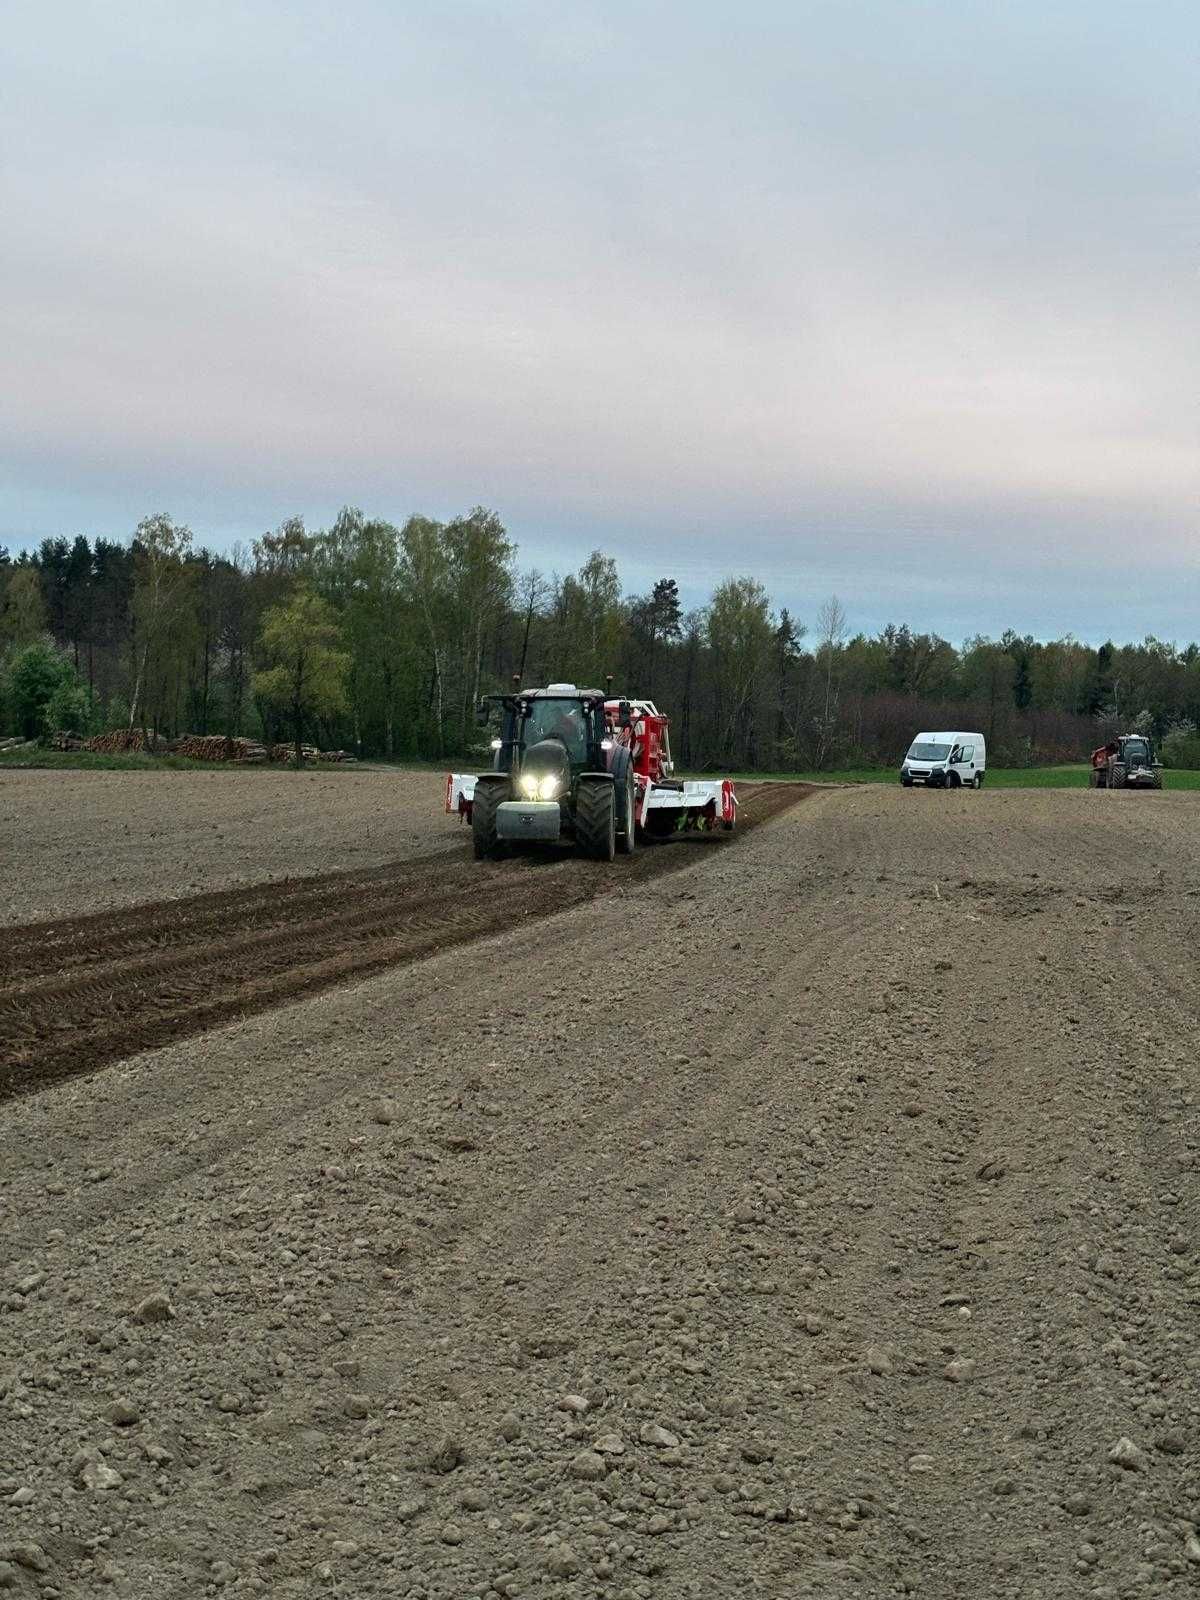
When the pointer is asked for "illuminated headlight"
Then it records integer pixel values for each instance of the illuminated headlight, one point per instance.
(535, 788)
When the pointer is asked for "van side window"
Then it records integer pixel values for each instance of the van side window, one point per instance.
(968, 752)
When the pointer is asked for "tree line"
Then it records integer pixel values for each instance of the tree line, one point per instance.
(380, 638)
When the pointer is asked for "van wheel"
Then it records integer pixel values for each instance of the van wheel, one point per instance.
(979, 780)
(954, 781)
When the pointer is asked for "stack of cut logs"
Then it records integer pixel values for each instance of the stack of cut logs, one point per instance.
(196, 746)
(217, 747)
(121, 740)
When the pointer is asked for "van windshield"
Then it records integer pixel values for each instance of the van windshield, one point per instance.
(928, 752)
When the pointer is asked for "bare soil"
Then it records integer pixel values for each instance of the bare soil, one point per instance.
(192, 964)
(89, 841)
(819, 1219)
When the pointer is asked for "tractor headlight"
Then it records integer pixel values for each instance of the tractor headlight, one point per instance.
(534, 787)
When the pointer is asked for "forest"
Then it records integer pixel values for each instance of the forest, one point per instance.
(378, 639)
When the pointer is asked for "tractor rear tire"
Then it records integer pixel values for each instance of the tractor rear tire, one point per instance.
(626, 796)
(596, 820)
(1117, 773)
(484, 836)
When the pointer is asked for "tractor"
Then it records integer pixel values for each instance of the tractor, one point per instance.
(582, 765)
(1128, 762)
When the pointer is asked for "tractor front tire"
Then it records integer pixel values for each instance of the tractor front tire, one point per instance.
(596, 820)
(1156, 781)
(1116, 775)
(484, 836)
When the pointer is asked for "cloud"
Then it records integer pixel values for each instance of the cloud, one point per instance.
(897, 296)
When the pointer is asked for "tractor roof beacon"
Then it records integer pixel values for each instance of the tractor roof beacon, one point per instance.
(583, 765)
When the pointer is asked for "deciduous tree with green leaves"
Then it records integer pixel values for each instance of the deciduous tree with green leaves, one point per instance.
(307, 675)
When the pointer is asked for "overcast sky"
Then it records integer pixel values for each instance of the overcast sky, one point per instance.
(895, 299)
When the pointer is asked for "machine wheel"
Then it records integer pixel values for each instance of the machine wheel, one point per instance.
(979, 780)
(1156, 781)
(596, 820)
(953, 781)
(486, 840)
(626, 797)
(1116, 775)
(906, 783)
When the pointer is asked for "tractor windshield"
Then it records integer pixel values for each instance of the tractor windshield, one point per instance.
(928, 752)
(558, 719)
(1137, 750)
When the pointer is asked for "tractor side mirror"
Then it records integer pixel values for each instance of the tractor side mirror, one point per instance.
(483, 714)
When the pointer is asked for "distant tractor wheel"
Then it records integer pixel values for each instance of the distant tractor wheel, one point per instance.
(1117, 774)
(596, 820)
(1096, 778)
(1156, 781)
(484, 836)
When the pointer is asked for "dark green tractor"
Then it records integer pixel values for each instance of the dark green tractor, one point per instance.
(1128, 762)
(556, 773)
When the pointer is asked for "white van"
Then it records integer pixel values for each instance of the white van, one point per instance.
(945, 761)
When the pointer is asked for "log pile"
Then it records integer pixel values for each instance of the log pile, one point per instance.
(121, 740)
(218, 747)
(287, 752)
(196, 746)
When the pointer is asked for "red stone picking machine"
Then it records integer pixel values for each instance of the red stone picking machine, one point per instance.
(583, 765)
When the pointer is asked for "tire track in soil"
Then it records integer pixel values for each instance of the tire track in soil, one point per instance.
(78, 994)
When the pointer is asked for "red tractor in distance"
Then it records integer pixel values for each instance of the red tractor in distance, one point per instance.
(584, 765)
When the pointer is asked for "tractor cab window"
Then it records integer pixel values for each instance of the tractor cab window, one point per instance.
(1136, 750)
(558, 719)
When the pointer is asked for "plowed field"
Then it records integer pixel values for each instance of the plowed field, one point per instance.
(89, 841)
(80, 992)
(810, 1215)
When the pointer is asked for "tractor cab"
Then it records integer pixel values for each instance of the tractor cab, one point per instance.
(1136, 750)
(557, 731)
